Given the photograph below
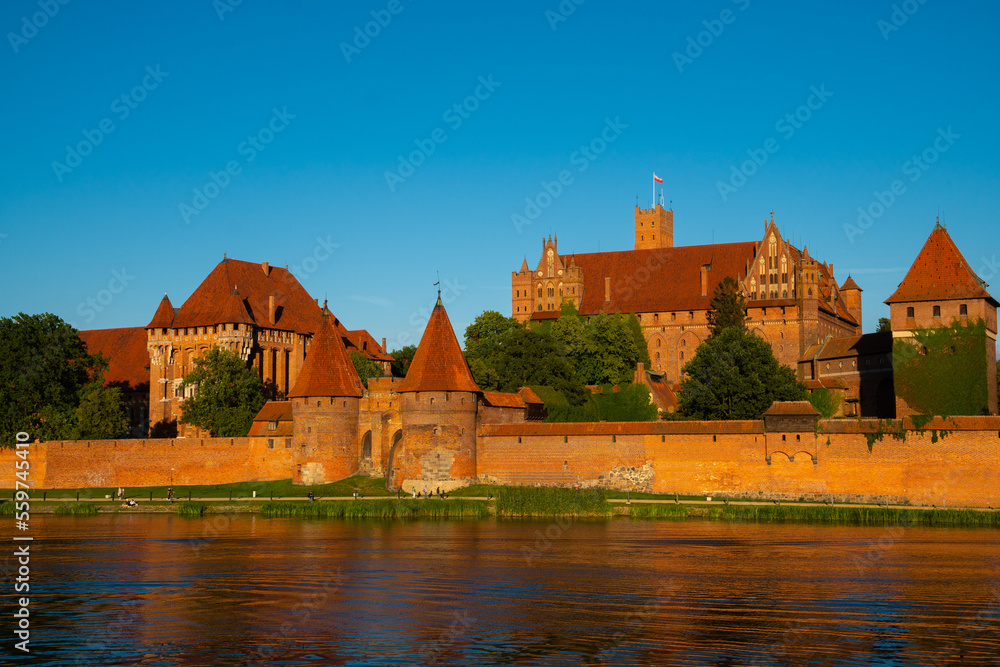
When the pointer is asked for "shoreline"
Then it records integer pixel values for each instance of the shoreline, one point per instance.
(388, 508)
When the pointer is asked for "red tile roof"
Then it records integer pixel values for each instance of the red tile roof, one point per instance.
(327, 370)
(850, 284)
(211, 302)
(273, 411)
(677, 270)
(529, 396)
(791, 408)
(164, 316)
(125, 349)
(501, 399)
(826, 383)
(363, 342)
(850, 346)
(940, 273)
(438, 364)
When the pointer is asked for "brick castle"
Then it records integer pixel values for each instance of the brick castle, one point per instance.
(437, 428)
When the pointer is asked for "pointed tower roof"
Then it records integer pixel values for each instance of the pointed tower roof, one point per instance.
(233, 310)
(524, 265)
(438, 364)
(850, 284)
(940, 273)
(328, 370)
(164, 315)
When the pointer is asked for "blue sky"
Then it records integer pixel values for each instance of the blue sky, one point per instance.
(309, 115)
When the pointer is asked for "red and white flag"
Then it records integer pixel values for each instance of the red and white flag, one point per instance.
(657, 178)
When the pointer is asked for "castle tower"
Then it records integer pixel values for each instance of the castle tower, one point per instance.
(325, 405)
(941, 289)
(438, 407)
(654, 228)
(161, 366)
(851, 293)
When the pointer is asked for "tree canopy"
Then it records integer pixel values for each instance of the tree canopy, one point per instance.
(734, 375)
(728, 307)
(884, 324)
(228, 394)
(365, 367)
(44, 369)
(101, 414)
(401, 360)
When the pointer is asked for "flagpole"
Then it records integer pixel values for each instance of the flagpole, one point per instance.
(654, 190)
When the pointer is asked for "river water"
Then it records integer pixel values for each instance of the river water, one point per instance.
(244, 590)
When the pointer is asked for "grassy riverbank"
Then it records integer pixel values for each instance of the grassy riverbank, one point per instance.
(428, 508)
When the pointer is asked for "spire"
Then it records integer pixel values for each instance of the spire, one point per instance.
(328, 369)
(164, 315)
(438, 364)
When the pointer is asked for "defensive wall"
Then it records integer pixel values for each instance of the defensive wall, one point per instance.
(952, 462)
(740, 460)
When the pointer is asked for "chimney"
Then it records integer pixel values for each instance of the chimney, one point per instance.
(270, 306)
(266, 267)
(607, 289)
(704, 279)
(383, 343)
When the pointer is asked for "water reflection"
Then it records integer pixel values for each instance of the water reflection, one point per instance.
(171, 591)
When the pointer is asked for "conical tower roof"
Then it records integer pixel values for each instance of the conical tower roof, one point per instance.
(328, 370)
(233, 310)
(850, 284)
(438, 364)
(940, 273)
(164, 315)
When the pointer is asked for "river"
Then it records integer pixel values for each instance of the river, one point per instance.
(244, 590)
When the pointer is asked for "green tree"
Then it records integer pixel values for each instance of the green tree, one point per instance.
(884, 324)
(228, 394)
(639, 340)
(728, 307)
(487, 333)
(734, 375)
(365, 367)
(612, 351)
(826, 402)
(43, 368)
(101, 414)
(401, 360)
(532, 357)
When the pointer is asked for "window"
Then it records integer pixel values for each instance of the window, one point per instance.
(539, 292)
(270, 443)
(552, 291)
(963, 309)
(272, 426)
(937, 311)
(909, 312)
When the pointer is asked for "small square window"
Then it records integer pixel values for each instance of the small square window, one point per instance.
(963, 309)
(937, 311)
(909, 312)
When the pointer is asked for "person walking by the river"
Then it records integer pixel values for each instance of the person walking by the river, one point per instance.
(311, 498)
(170, 494)
(426, 493)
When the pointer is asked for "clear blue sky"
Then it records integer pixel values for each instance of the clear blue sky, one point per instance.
(196, 86)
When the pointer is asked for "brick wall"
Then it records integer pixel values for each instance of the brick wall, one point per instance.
(737, 459)
(131, 463)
